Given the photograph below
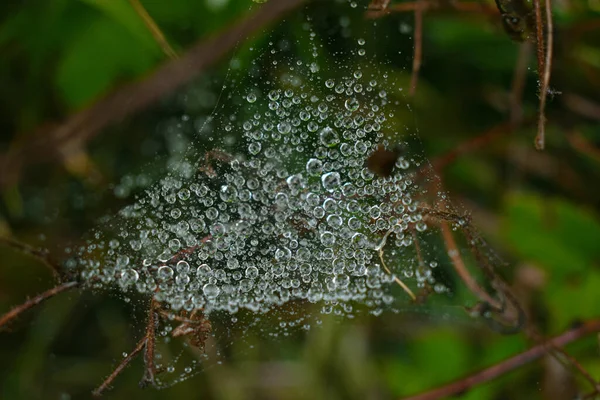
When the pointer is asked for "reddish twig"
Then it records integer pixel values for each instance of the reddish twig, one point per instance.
(41, 255)
(418, 48)
(147, 344)
(411, 6)
(102, 388)
(509, 364)
(148, 378)
(581, 144)
(582, 106)
(518, 85)
(461, 268)
(440, 162)
(136, 96)
(157, 34)
(544, 59)
(15, 312)
(378, 5)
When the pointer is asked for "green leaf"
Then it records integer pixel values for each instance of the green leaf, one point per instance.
(101, 55)
(123, 13)
(553, 233)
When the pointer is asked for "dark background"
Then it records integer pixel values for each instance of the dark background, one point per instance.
(538, 209)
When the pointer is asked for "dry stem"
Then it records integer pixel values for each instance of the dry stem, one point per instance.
(41, 255)
(461, 268)
(134, 97)
(102, 388)
(509, 364)
(148, 378)
(518, 85)
(544, 60)
(15, 312)
(418, 47)
(147, 343)
(385, 267)
(153, 28)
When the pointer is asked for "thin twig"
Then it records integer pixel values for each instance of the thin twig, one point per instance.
(581, 144)
(379, 250)
(461, 268)
(149, 373)
(473, 143)
(582, 106)
(410, 6)
(520, 320)
(102, 388)
(153, 28)
(40, 255)
(396, 279)
(134, 97)
(518, 85)
(15, 312)
(509, 364)
(562, 356)
(418, 47)
(544, 54)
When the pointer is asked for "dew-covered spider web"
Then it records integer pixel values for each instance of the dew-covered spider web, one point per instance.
(303, 193)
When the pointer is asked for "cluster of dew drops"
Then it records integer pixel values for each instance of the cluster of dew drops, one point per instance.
(294, 215)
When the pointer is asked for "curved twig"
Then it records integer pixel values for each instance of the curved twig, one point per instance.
(41, 255)
(15, 312)
(509, 364)
(136, 96)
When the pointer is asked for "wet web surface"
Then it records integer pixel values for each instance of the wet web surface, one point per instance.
(302, 194)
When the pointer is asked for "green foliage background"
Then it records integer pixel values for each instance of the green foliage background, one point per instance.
(538, 209)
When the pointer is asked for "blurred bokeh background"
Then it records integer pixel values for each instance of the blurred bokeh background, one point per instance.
(475, 113)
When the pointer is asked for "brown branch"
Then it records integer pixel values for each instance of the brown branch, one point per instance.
(147, 344)
(582, 106)
(153, 28)
(432, 5)
(544, 57)
(136, 96)
(15, 312)
(41, 255)
(418, 48)
(440, 162)
(462, 271)
(99, 391)
(378, 5)
(149, 373)
(518, 85)
(509, 364)
(581, 144)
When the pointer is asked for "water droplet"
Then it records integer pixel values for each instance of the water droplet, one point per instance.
(329, 137)
(129, 277)
(352, 104)
(330, 181)
(211, 291)
(314, 167)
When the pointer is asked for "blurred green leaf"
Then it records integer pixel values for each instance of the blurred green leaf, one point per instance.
(102, 54)
(552, 232)
(121, 11)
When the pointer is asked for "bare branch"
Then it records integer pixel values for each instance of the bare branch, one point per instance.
(149, 373)
(159, 37)
(418, 47)
(462, 271)
(41, 255)
(99, 391)
(509, 364)
(136, 96)
(15, 312)
(518, 85)
(544, 56)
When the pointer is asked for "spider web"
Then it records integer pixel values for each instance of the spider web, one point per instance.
(304, 193)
